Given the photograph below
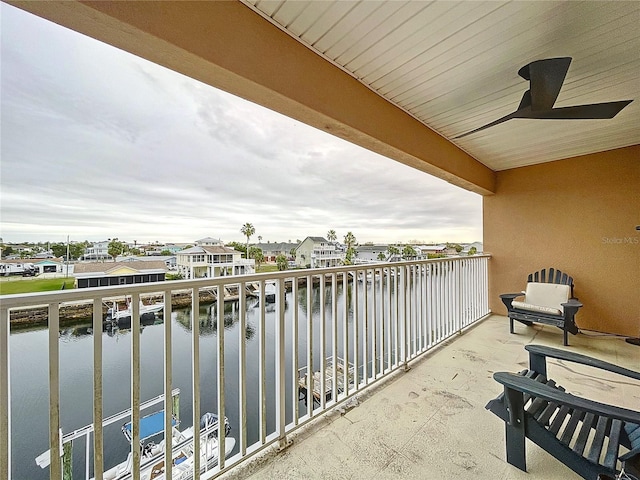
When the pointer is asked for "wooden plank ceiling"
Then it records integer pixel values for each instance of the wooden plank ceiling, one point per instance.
(454, 66)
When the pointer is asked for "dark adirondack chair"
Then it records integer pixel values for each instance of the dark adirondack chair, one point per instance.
(548, 300)
(535, 407)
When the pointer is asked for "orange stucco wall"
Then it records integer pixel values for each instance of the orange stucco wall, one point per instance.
(578, 215)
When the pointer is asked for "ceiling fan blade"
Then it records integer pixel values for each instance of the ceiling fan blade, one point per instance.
(495, 122)
(526, 101)
(546, 78)
(583, 112)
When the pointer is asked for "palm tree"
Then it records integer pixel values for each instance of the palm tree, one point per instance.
(349, 239)
(381, 256)
(331, 235)
(409, 252)
(247, 230)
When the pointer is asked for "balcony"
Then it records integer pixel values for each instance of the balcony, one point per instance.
(376, 329)
(569, 201)
(430, 422)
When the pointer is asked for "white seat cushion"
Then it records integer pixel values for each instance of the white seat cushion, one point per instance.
(535, 308)
(544, 298)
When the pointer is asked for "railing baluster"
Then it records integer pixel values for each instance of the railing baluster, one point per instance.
(334, 336)
(374, 321)
(365, 326)
(295, 374)
(310, 385)
(242, 369)
(406, 340)
(220, 379)
(98, 449)
(396, 318)
(195, 376)
(5, 421)
(135, 384)
(430, 306)
(345, 330)
(55, 467)
(387, 331)
(262, 390)
(385, 280)
(356, 332)
(281, 401)
(323, 354)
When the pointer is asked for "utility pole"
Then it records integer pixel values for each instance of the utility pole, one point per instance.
(67, 258)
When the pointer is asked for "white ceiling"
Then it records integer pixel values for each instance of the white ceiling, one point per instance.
(454, 65)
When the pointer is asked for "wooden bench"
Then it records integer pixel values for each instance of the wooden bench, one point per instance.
(589, 437)
(548, 300)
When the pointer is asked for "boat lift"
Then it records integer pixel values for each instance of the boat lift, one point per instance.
(44, 459)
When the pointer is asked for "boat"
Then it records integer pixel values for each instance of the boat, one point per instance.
(152, 455)
(269, 292)
(119, 313)
(151, 427)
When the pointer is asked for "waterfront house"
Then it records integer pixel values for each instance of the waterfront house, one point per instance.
(406, 80)
(371, 253)
(271, 250)
(49, 265)
(469, 246)
(210, 259)
(425, 250)
(97, 251)
(317, 252)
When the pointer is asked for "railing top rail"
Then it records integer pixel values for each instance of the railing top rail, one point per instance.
(111, 292)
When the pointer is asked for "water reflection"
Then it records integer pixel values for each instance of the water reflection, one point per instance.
(29, 370)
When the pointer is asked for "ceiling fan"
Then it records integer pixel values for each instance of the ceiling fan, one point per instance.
(545, 78)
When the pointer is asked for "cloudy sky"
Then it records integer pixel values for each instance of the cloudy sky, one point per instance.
(97, 143)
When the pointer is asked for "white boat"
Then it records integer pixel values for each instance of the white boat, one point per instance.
(152, 459)
(120, 313)
(269, 292)
(151, 427)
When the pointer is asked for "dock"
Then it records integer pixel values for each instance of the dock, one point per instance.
(328, 379)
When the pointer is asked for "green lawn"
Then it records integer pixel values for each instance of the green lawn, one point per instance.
(264, 268)
(18, 285)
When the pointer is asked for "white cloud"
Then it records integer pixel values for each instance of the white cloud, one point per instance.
(97, 143)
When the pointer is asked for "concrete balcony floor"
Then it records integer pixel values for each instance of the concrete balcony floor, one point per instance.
(430, 422)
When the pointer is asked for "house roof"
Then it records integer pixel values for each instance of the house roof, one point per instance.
(276, 246)
(372, 248)
(207, 249)
(318, 239)
(35, 261)
(431, 248)
(209, 240)
(105, 267)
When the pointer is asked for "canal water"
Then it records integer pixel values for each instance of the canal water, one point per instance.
(29, 372)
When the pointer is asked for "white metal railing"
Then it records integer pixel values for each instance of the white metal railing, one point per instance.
(372, 318)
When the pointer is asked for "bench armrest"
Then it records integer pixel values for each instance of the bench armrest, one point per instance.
(572, 302)
(511, 295)
(507, 298)
(542, 352)
(523, 384)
